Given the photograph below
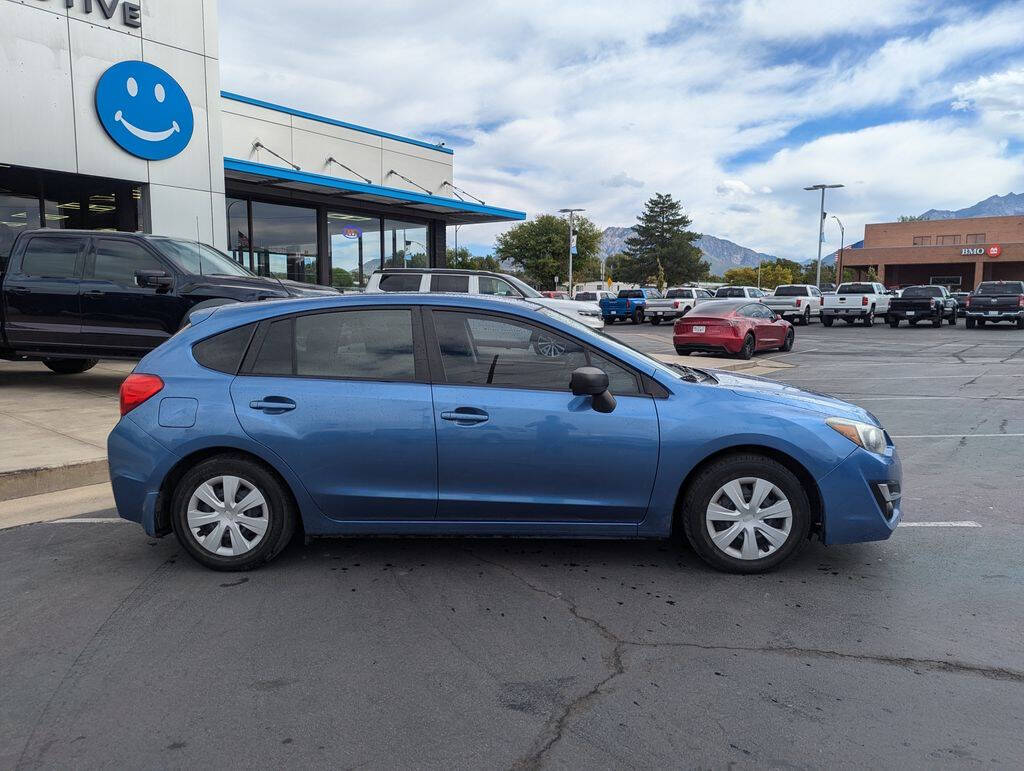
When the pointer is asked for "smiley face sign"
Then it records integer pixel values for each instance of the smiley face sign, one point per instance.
(144, 110)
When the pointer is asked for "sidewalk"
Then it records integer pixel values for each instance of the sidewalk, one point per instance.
(55, 426)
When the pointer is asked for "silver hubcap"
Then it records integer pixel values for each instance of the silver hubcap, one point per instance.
(549, 347)
(749, 518)
(228, 516)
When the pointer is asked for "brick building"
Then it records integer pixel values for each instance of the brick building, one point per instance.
(958, 253)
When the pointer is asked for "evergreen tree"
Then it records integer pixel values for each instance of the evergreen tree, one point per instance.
(662, 246)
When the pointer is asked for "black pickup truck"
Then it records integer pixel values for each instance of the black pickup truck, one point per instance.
(69, 298)
(922, 303)
(996, 301)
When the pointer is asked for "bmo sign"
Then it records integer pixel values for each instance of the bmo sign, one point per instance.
(993, 251)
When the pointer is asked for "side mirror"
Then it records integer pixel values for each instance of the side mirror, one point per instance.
(593, 382)
(158, 279)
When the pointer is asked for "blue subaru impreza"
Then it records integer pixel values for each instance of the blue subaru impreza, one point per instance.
(457, 415)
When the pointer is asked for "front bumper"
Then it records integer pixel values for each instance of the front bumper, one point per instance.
(862, 498)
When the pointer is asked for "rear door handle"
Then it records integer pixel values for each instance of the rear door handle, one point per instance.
(20, 290)
(272, 405)
(94, 293)
(466, 416)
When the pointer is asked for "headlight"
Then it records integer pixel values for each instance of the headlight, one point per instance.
(865, 435)
(589, 313)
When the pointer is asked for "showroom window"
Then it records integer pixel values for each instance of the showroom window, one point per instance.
(355, 248)
(284, 241)
(405, 244)
(238, 231)
(17, 213)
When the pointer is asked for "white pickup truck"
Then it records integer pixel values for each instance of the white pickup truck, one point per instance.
(798, 303)
(855, 300)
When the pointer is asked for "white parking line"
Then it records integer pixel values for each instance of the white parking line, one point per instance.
(958, 436)
(965, 376)
(85, 520)
(964, 523)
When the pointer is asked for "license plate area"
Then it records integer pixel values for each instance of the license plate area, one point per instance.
(699, 329)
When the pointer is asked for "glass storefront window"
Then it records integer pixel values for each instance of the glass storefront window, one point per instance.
(17, 213)
(355, 248)
(238, 231)
(284, 241)
(405, 244)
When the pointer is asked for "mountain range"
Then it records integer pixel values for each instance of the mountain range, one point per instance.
(994, 206)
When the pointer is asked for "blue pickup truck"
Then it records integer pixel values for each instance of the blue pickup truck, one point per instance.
(630, 304)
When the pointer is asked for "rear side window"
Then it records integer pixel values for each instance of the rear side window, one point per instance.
(360, 345)
(400, 282)
(491, 285)
(443, 282)
(51, 257)
(224, 352)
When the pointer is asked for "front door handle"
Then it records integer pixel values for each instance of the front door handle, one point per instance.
(19, 290)
(272, 405)
(94, 293)
(466, 416)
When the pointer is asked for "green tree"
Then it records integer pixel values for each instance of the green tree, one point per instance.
(910, 218)
(540, 248)
(662, 245)
(741, 276)
(463, 259)
(341, 278)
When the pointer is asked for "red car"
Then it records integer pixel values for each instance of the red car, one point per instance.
(556, 295)
(732, 326)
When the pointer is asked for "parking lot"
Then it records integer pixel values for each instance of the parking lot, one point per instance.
(121, 651)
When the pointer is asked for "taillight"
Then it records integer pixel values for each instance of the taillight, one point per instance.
(1020, 301)
(798, 301)
(138, 388)
(822, 302)
(676, 305)
(864, 300)
(967, 302)
(932, 302)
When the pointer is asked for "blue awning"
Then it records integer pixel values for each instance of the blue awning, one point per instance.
(449, 209)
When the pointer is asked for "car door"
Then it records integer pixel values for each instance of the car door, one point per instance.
(344, 398)
(118, 313)
(42, 308)
(514, 444)
(767, 333)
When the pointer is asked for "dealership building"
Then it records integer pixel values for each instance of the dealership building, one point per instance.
(113, 118)
(957, 253)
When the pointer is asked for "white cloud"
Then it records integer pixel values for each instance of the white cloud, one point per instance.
(548, 105)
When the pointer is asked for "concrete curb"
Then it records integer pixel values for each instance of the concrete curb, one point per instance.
(49, 479)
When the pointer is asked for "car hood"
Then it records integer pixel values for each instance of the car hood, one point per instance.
(268, 287)
(567, 307)
(780, 393)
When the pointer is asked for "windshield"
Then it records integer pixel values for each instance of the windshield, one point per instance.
(198, 259)
(731, 291)
(791, 291)
(995, 288)
(922, 291)
(526, 289)
(855, 289)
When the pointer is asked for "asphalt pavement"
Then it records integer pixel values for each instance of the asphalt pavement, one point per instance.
(119, 651)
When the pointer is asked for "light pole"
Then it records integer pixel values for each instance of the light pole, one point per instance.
(821, 223)
(570, 212)
(842, 243)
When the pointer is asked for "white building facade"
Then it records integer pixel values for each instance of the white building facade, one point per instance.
(113, 118)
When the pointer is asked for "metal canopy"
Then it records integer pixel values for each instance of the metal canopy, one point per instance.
(449, 209)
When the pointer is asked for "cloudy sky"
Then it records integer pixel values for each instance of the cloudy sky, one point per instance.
(733, 106)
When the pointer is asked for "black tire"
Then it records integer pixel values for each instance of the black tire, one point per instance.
(638, 316)
(894, 323)
(280, 511)
(70, 366)
(952, 320)
(969, 323)
(655, 321)
(869, 320)
(787, 343)
(609, 320)
(981, 322)
(827, 320)
(749, 344)
(806, 318)
(937, 322)
(682, 352)
(698, 497)
(1020, 322)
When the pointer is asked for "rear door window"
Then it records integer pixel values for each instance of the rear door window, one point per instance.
(52, 257)
(444, 282)
(400, 282)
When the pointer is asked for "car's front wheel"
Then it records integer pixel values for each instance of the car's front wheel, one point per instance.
(787, 344)
(231, 513)
(746, 514)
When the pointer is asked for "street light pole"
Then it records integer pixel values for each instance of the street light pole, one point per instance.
(842, 243)
(821, 224)
(570, 212)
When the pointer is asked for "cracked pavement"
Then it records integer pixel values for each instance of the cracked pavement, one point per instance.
(119, 651)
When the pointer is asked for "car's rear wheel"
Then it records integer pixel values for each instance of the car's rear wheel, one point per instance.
(806, 318)
(1020, 322)
(749, 344)
(937, 322)
(969, 323)
(70, 366)
(231, 513)
(894, 323)
(746, 514)
(952, 319)
(638, 316)
(869, 320)
(609, 320)
(787, 344)
(981, 322)
(827, 320)
(682, 352)
(655, 321)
